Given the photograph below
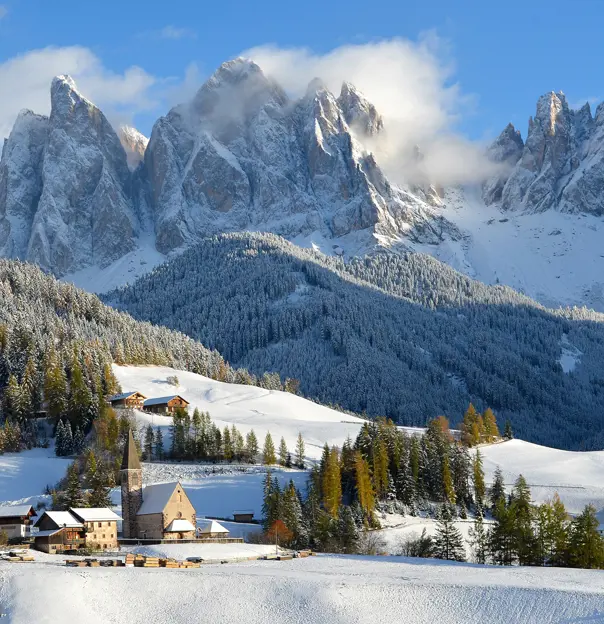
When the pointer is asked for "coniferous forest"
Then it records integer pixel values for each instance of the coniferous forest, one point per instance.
(401, 336)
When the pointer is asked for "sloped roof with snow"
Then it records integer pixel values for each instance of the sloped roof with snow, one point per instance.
(207, 525)
(61, 518)
(94, 514)
(124, 395)
(179, 524)
(156, 497)
(162, 400)
(13, 511)
(47, 533)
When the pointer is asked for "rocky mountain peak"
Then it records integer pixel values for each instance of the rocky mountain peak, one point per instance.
(359, 113)
(134, 143)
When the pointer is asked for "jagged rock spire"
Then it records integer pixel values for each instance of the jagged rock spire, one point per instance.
(130, 459)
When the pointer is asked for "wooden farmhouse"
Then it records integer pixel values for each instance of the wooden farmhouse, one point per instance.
(165, 405)
(16, 520)
(59, 531)
(127, 400)
(161, 511)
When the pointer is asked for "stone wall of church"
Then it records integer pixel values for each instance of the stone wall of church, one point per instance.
(150, 526)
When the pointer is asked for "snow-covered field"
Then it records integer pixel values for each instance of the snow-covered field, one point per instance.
(342, 590)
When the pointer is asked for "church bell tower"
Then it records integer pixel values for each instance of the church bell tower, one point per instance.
(131, 478)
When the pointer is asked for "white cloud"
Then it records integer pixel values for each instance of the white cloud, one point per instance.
(411, 84)
(119, 95)
(173, 32)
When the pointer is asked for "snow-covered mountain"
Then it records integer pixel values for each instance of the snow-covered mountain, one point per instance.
(101, 207)
(241, 155)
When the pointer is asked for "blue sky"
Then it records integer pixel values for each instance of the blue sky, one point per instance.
(505, 54)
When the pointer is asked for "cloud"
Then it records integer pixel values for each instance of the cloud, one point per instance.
(412, 85)
(119, 95)
(172, 32)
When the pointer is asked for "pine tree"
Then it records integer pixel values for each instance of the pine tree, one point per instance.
(522, 522)
(478, 480)
(148, 444)
(268, 453)
(448, 541)
(507, 433)
(159, 444)
(67, 439)
(100, 494)
(586, 543)
(348, 534)
(501, 535)
(251, 446)
(497, 489)
(80, 397)
(479, 539)
(300, 450)
(73, 496)
(227, 445)
(291, 514)
(79, 441)
(332, 484)
(60, 439)
(283, 452)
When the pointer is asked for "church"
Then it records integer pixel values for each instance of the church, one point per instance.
(161, 511)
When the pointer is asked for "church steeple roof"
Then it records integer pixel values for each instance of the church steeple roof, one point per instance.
(130, 459)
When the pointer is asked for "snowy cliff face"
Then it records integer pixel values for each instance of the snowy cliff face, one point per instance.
(560, 166)
(242, 155)
(21, 182)
(135, 144)
(64, 187)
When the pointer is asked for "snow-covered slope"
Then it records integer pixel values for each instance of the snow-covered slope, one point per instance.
(248, 407)
(344, 589)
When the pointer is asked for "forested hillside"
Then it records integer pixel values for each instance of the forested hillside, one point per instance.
(56, 346)
(401, 336)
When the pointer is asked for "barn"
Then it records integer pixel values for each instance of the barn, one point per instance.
(127, 400)
(165, 405)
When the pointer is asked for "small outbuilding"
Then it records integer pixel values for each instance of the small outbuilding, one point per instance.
(208, 528)
(127, 400)
(165, 405)
(16, 520)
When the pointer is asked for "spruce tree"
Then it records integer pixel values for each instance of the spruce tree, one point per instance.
(300, 450)
(522, 522)
(497, 492)
(251, 446)
(348, 533)
(78, 441)
(73, 496)
(100, 494)
(507, 433)
(283, 452)
(148, 444)
(586, 542)
(479, 539)
(448, 541)
(60, 439)
(159, 444)
(268, 452)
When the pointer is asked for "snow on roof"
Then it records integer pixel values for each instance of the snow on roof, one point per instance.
(179, 525)
(162, 400)
(156, 497)
(94, 514)
(47, 533)
(12, 511)
(210, 526)
(61, 518)
(124, 395)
